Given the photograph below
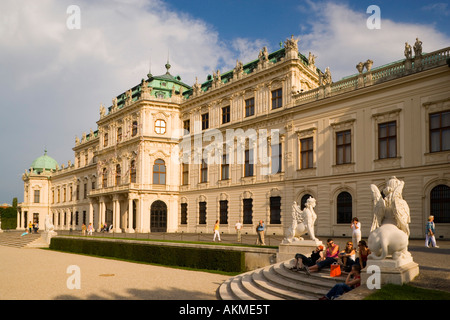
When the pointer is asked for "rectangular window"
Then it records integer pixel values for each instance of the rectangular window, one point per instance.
(343, 147)
(306, 153)
(205, 121)
(275, 210)
(204, 171)
(119, 134)
(248, 164)
(249, 107)
(185, 173)
(226, 114)
(202, 212)
(85, 190)
(134, 128)
(184, 207)
(277, 100)
(225, 167)
(187, 126)
(248, 211)
(77, 193)
(105, 143)
(223, 211)
(276, 158)
(440, 131)
(64, 195)
(37, 196)
(387, 140)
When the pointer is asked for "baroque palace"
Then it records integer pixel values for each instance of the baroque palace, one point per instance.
(245, 144)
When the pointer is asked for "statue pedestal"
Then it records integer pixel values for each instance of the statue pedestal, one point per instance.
(47, 236)
(392, 271)
(287, 251)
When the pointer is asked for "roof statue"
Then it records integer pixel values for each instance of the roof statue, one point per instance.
(418, 47)
(408, 51)
(291, 43)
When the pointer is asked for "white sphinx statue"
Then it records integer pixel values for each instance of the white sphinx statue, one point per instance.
(49, 230)
(390, 227)
(302, 222)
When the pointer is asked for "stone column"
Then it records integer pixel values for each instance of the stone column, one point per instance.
(130, 215)
(116, 215)
(101, 213)
(91, 213)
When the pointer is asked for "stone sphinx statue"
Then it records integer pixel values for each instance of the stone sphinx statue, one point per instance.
(390, 226)
(302, 222)
(49, 227)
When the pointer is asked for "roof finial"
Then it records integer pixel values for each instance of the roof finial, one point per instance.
(167, 64)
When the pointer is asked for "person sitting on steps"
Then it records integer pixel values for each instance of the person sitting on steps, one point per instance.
(302, 261)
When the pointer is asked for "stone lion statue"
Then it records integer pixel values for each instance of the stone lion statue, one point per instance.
(302, 222)
(390, 226)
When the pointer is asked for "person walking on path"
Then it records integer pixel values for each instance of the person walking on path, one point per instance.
(429, 233)
(260, 231)
(356, 230)
(83, 229)
(238, 227)
(90, 229)
(216, 231)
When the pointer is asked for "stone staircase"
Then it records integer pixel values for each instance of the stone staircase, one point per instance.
(277, 282)
(14, 239)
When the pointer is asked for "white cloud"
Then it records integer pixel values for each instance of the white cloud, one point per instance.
(57, 78)
(341, 39)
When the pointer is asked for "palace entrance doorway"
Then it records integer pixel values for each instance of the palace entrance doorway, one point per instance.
(158, 217)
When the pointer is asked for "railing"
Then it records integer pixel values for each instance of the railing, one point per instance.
(383, 73)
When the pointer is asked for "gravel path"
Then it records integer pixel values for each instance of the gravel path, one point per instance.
(42, 274)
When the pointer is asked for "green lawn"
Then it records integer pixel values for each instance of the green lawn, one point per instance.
(407, 292)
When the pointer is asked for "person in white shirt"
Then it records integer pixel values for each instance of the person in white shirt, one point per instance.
(238, 227)
(356, 230)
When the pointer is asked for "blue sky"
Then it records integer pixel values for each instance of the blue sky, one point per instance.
(54, 79)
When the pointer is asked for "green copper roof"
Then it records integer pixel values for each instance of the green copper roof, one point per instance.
(162, 87)
(44, 163)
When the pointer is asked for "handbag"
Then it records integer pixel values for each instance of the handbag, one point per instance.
(335, 270)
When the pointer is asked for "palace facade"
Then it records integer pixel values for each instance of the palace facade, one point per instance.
(245, 144)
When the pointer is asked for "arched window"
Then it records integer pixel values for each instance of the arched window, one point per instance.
(440, 203)
(344, 207)
(118, 174)
(303, 201)
(133, 171)
(105, 178)
(159, 172)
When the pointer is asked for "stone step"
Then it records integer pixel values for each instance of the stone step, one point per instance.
(278, 282)
(14, 239)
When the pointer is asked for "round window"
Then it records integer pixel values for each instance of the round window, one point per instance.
(160, 126)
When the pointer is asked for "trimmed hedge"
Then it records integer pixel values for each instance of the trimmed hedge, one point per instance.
(198, 258)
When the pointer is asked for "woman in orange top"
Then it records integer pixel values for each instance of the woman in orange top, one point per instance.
(216, 231)
(331, 256)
